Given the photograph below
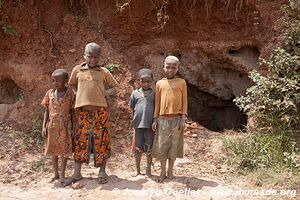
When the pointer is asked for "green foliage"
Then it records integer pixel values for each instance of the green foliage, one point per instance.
(38, 165)
(292, 35)
(258, 150)
(112, 67)
(33, 138)
(273, 103)
(274, 100)
(9, 30)
(129, 136)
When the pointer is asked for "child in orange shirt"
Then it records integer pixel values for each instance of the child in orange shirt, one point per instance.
(169, 117)
(57, 124)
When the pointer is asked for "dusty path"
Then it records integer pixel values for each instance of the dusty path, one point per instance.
(199, 175)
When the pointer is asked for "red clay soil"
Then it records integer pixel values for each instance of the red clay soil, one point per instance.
(217, 42)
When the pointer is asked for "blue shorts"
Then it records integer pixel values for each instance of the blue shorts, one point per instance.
(144, 139)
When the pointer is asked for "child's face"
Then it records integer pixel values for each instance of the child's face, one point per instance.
(91, 58)
(146, 82)
(171, 70)
(59, 81)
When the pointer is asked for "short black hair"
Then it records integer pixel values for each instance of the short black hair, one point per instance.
(61, 72)
(145, 72)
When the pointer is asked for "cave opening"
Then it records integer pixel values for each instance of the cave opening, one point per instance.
(214, 113)
(248, 55)
(10, 92)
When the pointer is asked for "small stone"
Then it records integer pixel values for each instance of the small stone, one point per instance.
(77, 186)
(72, 50)
(258, 183)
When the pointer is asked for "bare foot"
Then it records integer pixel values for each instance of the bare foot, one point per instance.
(162, 177)
(170, 175)
(62, 179)
(53, 179)
(135, 174)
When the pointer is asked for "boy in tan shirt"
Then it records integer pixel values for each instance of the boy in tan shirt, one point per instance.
(169, 117)
(91, 135)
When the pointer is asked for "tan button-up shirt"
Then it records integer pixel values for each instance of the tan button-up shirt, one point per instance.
(90, 84)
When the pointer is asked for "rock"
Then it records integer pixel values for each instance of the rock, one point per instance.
(258, 183)
(72, 50)
(77, 186)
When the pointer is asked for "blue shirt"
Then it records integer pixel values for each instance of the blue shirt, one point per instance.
(143, 108)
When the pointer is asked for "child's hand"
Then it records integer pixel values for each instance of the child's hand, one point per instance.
(154, 125)
(182, 123)
(44, 132)
(73, 131)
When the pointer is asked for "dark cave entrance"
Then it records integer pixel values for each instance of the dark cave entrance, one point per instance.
(10, 92)
(214, 113)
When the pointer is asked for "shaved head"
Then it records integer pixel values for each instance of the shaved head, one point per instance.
(171, 60)
(92, 48)
(145, 72)
(60, 72)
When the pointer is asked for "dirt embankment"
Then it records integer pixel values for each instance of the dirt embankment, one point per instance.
(218, 42)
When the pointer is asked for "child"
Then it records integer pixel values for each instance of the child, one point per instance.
(169, 117)
(142, 104)
(89, 81)
(57, 125)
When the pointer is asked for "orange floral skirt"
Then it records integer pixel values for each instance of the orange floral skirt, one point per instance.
(92, 137)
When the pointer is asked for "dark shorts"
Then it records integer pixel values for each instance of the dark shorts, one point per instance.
(144, 139)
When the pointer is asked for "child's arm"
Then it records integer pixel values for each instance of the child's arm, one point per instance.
(112, 83)
(46, 117)
(73, 80)
(111, 91)
(45, 104)
(132, 102)
(184, 105)
(157, 107)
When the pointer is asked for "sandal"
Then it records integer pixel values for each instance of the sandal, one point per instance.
(102, 178)
(68, 181)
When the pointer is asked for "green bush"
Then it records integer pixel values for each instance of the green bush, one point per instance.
(112, 67)
(273, 103)
(33, 138)
(259, 150)
(9, 30)
(274, 100)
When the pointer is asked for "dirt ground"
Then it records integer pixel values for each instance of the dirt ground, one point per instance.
(201, 174)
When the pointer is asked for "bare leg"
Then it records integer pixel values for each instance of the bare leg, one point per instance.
(162, 175)
(103, 167)
(102, 176)
(63, 169)
(77, 171)
(138, 156)
(55, 168)
(170, 170)
(149, 162)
